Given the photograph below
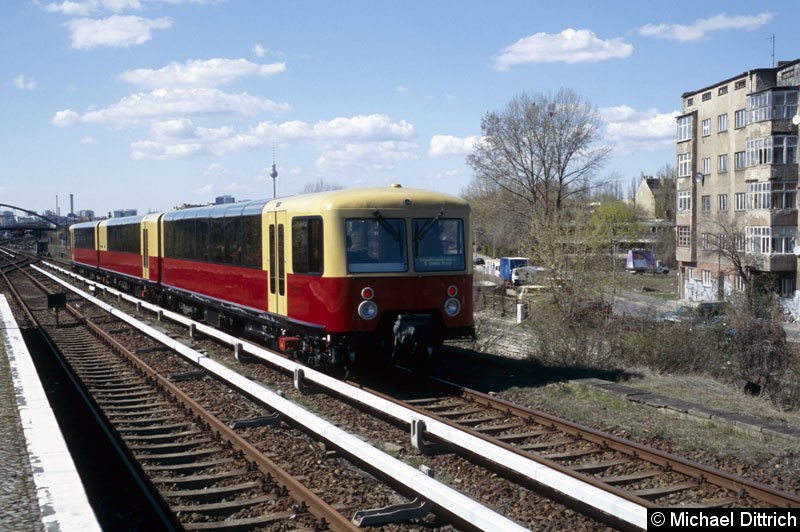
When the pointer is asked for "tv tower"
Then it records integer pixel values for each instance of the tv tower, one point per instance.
(274, 173)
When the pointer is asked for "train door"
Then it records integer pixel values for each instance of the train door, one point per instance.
(151, 247)
(276, 236)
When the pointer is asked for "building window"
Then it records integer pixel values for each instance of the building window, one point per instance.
(684, 165)
(759, 196)
(722, 90)
(738, 283)
(772, 105)
(689, 102)
(684, 200)
(740, 160)
(705, 202)
(706, 127)
(706, 277)
(771, 240)
(706, 96)
(775, 195)
(787, 286)
(705, 240)
(690, 273)
(772, 150)
(722, 163)
(706, 163)
(722, 123)
(722, 202)
(684, 128)
(738, 242)
(739, 84)
(684, 236)
(740, 118)
(739, 201)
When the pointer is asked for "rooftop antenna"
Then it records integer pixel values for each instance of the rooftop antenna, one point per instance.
(772, 38)
(274, 173)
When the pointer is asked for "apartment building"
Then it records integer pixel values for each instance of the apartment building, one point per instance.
(737, 185)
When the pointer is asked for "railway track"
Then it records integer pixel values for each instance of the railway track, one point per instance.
(645, 476)
(325, 467)
(208, 476)
(519, 441)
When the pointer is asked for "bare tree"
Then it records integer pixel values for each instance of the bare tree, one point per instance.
(665, 193)
(320, 185)
(541, 149)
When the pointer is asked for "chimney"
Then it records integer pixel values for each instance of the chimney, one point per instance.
(71, 205)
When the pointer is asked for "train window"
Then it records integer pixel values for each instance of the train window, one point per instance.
(376, 245)
(124, 238)
(251, 241)
(84, 238)
(281, 262)
(307, 245)
(273, 274)
(233, 240)
(438, 244)
(216, 239)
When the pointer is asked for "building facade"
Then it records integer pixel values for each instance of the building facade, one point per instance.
(737, 170)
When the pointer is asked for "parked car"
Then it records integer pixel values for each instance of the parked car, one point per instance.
(478, 261)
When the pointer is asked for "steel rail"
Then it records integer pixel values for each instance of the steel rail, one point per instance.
(468, 512)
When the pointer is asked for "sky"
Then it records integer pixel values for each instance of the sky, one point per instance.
(149, 104)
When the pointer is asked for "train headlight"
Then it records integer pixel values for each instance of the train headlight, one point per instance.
(367, 310)
(452, 306)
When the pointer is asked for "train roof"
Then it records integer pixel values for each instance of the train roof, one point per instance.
(368, 198)
(84, 225)
(125, 220)
(243, 208)
(351, 198)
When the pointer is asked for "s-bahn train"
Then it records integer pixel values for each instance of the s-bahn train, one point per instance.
(330, 278)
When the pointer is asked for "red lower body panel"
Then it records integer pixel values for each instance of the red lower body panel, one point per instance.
(242, 286)
(333, 302)
(129, 264)
(87, 257)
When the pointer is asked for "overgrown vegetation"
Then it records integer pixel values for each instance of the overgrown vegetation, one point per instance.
(536, 192)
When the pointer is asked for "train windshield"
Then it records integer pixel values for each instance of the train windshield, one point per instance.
(376, 245)
(438, 244)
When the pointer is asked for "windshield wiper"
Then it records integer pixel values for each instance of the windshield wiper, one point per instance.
(427, 227)
(389, 229)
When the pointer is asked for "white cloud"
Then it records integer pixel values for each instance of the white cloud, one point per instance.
(701, 27)
(87, 7)
(372, 141)
(631, 130)
(215, 169)
(197, 73)
(569, 46)
(117, 30)
(25, 83)
(89, 141)
(448, 145)
(259, 50)
(170, 104)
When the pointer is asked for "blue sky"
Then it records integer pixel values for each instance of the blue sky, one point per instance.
(148, 104)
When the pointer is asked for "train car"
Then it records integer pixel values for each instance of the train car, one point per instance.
(83, 250)
(379, 273)
(119, 244)
(329, 276)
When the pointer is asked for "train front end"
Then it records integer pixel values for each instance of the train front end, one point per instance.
(397, 276)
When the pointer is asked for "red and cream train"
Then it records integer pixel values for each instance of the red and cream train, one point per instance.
(330, 278)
